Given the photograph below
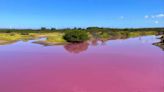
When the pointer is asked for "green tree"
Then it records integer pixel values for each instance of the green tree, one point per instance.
(76, 36)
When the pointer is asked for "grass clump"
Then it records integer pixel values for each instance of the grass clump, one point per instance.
(56, 37)
(10, 36)
(24, 33)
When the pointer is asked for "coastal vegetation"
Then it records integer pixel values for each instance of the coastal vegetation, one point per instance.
(55, 37)
(74, 35)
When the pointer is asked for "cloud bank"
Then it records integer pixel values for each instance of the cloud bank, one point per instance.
(154, 16)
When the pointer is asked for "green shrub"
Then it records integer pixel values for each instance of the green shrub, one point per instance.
(8, 31)
(12, 34)
(104, 35)
(76, 36)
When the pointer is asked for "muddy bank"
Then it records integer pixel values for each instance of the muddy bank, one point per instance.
(46, 43)
(3, 42)
(161, 43)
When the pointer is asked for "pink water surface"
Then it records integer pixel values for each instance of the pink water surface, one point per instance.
(131, 65)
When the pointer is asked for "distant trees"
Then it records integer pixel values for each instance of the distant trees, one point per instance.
(76, 28)
(47, 29)
(93, 28)
(43, 28)
(53, 29)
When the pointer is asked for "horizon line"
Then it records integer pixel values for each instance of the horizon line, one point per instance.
(49, 28)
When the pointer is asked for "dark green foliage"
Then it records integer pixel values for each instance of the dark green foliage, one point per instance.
(8, 31)
(93, 28)
(43, 28)
(89, 29)
(162, 39)
(53, 29)
(76, 36)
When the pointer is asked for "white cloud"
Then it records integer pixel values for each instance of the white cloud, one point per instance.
(155, 16)
(160, 16)
(122, 17)
(156, 22)
(146, 16)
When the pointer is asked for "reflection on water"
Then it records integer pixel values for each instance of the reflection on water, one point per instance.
(96, 42)
(82, 47)
(76, 47)
(129, 65)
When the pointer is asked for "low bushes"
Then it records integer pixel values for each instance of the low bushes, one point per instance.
(76, 36)
(104, 35)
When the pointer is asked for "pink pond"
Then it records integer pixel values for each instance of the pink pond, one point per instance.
(130, 65)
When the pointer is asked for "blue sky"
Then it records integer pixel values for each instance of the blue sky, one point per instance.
(81, 13)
